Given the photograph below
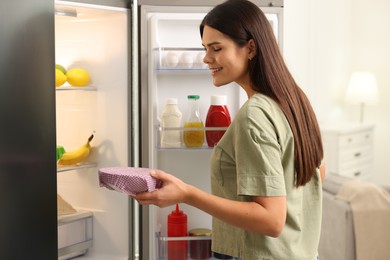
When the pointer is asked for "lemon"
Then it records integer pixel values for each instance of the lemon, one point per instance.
(60, 78)
(77, 77)
(61, 68)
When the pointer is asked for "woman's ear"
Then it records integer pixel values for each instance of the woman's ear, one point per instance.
(251, 49)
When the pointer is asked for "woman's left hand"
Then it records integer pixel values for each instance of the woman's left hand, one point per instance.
(173, 191)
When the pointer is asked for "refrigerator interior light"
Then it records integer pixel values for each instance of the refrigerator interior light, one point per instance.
(60, 11)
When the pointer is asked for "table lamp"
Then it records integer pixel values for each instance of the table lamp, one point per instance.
(362, 90)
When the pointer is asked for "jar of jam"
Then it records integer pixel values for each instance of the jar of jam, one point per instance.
(200, 249)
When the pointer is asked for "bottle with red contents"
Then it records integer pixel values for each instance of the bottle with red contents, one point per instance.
(217, 116)
(177, 227)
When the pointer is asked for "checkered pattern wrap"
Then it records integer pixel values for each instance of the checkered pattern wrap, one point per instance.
(128, 180)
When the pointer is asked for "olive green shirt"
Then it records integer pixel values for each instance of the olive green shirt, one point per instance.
(255, 157)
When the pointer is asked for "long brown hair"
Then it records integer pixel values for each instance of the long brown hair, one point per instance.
(242, 20)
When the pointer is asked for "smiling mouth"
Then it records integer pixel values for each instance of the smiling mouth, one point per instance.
(215, 70)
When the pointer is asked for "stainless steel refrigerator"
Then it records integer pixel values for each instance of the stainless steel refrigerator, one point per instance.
(28, 218)
(36, 116)
(171, 66)
(123, 45)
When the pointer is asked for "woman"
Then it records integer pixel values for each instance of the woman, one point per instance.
(265, 177)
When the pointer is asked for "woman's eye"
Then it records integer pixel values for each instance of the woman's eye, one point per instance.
(217, 49)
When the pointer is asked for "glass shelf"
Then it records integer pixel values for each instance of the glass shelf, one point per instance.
(83, 165)
(68, 87)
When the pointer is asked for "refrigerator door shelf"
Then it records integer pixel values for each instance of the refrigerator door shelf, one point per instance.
(180, 59)
(162, 242)
(82, 165)
(75, 234)
(160, 131)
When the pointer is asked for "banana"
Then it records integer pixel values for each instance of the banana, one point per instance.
(76, 156)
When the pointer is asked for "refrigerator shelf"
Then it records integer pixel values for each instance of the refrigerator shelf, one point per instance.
(62, 168)
(180, 59)
(224, 128)
(85, 88)
(180, 69)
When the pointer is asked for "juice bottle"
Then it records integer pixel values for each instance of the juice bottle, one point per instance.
(193, 134)
(217, 116)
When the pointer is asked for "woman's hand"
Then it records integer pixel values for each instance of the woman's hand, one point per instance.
(173, 191)
(322, 171)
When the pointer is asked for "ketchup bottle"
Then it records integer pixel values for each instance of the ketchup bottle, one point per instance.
(217, 116)
(177, 227)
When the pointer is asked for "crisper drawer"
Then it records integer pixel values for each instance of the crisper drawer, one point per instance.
(75, 234)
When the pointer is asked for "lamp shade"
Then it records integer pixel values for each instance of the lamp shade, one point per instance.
(362, 88)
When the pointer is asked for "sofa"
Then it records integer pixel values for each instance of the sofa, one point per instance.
(337, 240)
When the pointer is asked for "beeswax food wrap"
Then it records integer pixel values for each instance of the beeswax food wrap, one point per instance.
(129, 180)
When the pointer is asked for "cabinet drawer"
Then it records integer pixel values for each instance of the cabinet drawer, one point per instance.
(362, 138)
(355, 154)
(358, 171)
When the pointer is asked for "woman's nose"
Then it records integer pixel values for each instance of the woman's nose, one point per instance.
(207, 59)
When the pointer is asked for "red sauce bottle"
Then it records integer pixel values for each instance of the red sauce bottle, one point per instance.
(217, 116)
(177, 227)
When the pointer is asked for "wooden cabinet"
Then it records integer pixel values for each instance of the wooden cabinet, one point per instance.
(348, 150)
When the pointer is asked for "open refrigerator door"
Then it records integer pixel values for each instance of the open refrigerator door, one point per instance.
(94, 39)
(172, 67)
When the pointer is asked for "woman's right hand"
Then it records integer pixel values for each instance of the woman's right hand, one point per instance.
(173, 191)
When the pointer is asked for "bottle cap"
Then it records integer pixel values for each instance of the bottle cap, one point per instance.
(171, 101)
(177, 216)
(199, 232)
(218, 100)
(193, 96)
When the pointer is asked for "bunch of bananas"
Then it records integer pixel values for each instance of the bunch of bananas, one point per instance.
(76, 156)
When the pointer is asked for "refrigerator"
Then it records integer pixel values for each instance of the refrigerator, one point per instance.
(123, 45)
(171, 29)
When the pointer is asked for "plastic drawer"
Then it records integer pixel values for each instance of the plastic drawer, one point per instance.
(75, 234)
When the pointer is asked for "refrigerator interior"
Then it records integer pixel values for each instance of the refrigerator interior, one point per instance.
(174, 32)
(95, 38)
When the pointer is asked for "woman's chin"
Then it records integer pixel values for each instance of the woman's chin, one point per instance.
(219, 83)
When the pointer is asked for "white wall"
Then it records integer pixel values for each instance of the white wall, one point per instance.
(371, 51)
(324, 42)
